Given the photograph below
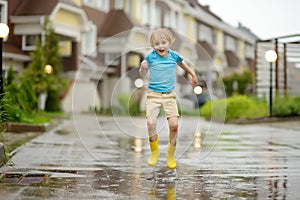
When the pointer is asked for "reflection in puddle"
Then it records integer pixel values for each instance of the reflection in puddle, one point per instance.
(186, 183)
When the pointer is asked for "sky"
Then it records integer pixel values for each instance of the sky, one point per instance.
(265, 18)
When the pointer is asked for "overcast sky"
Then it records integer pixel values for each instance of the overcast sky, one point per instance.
(265, 18)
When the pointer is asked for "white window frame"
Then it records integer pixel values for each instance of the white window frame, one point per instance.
(249, 50)
(88, 42)
(3, 7)
(119, 4)
(98, 4)
(25, 46)
(230, 43)
(206, 33)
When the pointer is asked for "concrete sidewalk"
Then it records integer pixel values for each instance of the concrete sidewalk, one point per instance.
(97, 157)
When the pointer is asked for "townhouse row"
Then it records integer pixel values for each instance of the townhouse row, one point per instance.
(102, 43)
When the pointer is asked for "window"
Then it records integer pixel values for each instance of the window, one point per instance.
(3, 11)
(98, 4)
(230, 43)
(29, 42)
(89, 42)
(206, 34)
(119, 4)
(249, 51)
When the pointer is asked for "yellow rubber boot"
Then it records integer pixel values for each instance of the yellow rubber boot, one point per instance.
(171, 162)
(155, 153)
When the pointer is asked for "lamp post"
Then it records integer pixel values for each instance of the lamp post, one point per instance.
(4, 30)
(271, 56)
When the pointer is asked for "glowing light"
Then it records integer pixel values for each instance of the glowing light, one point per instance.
(198, 89)
(139, 83)
(4, 30)
(48, 69)
(271, 56)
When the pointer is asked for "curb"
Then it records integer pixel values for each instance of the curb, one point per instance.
(16, 127)
(2, 154)
(263, 120)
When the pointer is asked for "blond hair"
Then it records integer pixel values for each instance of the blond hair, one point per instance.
(161, 33)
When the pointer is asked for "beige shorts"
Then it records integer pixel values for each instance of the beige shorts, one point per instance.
(156, 100)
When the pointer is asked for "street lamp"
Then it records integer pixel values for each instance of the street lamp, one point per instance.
(271, 56)
(4, 30)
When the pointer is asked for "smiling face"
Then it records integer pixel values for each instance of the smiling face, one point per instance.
(161, 46)
(161, 40)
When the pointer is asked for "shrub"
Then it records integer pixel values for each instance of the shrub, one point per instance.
(286, 106)
(243, 81)
(18, 101)
(296, 106)
(238, 106)
(129, 104)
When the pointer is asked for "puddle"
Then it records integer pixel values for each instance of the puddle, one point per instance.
(184, 183)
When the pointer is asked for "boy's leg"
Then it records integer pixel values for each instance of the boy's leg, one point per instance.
(171, 110)
(173, 126)
(153, 105)
(153, 141)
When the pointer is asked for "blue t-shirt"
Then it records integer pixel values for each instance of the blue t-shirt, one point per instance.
(162, 70)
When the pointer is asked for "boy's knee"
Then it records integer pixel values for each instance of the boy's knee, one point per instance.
(151, 123)
(173, 127)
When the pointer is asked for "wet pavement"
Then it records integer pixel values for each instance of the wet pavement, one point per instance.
(97, 157)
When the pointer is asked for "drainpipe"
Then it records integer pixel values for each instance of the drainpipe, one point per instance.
(42, 22)
(123, 70)
(276, 68)
(284, 70)
(255, 70)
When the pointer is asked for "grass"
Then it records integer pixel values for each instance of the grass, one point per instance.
(13, 141)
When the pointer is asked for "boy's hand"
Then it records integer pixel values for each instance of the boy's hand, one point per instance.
(144, 64)
(194, 80)
(143, 68)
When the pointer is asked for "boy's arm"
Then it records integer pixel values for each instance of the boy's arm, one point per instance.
(143, 68)
(184, 66)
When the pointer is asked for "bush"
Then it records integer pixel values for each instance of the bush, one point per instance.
(243, 81)
(53, 103)
(235, 107)
(18, 101)
(286, 106)
(129, 104)
(296, 106)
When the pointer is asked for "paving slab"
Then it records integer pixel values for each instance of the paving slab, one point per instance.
(100, 157)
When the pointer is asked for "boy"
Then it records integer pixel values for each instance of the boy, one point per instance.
(161, 62)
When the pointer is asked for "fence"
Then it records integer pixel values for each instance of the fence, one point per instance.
(285, 70)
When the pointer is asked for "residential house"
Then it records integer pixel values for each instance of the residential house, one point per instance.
(102, 43)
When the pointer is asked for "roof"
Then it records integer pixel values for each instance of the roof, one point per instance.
(96, 16)
(116, 22)
(37, 7)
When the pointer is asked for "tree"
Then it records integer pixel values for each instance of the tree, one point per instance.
(50, 82)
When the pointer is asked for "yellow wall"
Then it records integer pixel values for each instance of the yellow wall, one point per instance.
(68, 18)
(65, 48)
(190, 27)
(220, 40)
(77, 2)
(140, 38)
(241, 49)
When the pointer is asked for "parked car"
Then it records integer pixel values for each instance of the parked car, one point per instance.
(200, 99)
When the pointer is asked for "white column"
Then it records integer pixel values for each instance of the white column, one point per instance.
(152, 13)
